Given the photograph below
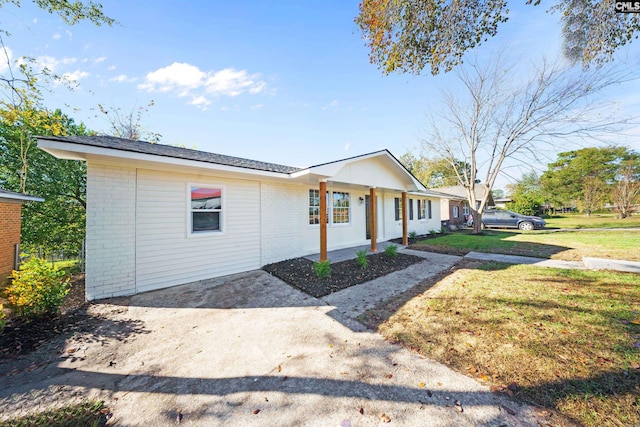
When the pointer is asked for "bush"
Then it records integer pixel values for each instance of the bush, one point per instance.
(433, 232)
(37, 289)
(322, 268)
(3, 320)
(362, 258)
(444, 230)
(391, 251)
(413, 234)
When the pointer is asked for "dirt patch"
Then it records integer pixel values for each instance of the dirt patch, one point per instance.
(439, 249)
(299, 272)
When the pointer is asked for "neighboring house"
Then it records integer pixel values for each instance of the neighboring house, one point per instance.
(159, 216)
(10, 224)
(501, 203)
(457, 209)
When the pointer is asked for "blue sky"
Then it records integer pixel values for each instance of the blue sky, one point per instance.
(286, 82)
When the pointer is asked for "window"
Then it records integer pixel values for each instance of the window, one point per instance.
(314, 207)
(421, 209)
(411, 209)
(340, 208)
(205, 209)
(429, 203)
(465, 210)
(398, 209)
(456, 212)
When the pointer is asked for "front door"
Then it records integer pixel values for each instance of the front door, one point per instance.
(367, 221)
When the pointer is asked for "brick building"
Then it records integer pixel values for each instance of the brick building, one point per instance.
(10, 222)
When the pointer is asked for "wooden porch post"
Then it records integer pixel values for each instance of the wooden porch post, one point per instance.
(373, 205)
(323, 221)
(405, 218)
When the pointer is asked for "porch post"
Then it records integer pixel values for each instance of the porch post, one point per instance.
(323, 220)
(373, 205)
(405, 218)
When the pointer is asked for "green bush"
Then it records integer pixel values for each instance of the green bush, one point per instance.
(433, 232)
(443, 230)
(391, 251)
(322, 268)
(37, 289)
(362, 258)
(412, 234)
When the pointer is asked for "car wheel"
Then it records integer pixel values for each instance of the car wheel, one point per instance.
(525, 225)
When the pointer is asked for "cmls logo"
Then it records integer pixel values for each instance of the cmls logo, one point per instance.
(627, 6)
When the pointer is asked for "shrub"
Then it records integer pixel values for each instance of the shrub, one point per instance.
(413, 234)
(443, 230)
(37, 289)
(362, 258)
(3, 320)
(391, 251)
(322, 268)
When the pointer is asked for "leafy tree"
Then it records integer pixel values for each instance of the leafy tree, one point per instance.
(58, 223)
(626, 194)
(409, 35)
(526, 195)
(433, 173)
(497, 193)
(592, 169)
(490, 117)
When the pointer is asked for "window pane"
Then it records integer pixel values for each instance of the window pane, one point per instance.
(205, 221)
(206, 198)
(340, 207)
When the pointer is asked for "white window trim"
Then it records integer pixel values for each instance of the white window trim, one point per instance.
(423, 206)
(223, 211)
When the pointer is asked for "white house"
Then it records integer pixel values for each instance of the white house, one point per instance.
(159, 216)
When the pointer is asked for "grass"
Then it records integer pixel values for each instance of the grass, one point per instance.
(87, 414)
(595, 221)
(564, 245)
(563, 339)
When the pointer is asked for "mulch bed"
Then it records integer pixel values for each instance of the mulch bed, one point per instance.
(299, 272)
(20, 337)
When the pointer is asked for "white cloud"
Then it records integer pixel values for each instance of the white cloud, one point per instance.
(122, 78)
(201, 102)
(257, 106)
(332, 104)
(75, 76)
(186, 80)
(56, 36)
(347, 146)
(99, 59)
(112, 67)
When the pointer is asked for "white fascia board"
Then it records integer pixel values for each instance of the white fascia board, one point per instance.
(24, 197)
(72, 151)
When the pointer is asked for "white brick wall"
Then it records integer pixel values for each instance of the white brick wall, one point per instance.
(282, 215)
(111, 206)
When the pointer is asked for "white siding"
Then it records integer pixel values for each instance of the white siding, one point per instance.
(166, 255)
(110, 267)
(283, 219)
(393, 228)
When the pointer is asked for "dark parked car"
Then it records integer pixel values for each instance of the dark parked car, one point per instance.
(508, 219)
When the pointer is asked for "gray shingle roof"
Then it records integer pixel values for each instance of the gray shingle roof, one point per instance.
(142, 147)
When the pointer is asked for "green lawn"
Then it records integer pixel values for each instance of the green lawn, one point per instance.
(595, 221)
(564, 245)
(563, 339)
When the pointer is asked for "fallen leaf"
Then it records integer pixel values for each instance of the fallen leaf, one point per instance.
(635, 321)
(385, 418)
(429, 393)
(361, 410)
(421, 385)
(279, 368)
(388, 376)
(468, 344)
(71, 350)
(483, 377)
(458, 406)
(439, 383)
(564, 331)
(513, 386)
(256, 411)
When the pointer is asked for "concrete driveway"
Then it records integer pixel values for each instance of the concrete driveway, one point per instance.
(249, 350)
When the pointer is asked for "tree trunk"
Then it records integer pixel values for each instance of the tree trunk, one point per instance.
(477, 222)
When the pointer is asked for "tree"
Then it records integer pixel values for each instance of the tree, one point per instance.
(22, 84)
(432, 173)
(409, 35)
(497, 193)
(58, 223)
(526, 197)
(626, 194)
(580, 177)
(496, 118)
(129, 125)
